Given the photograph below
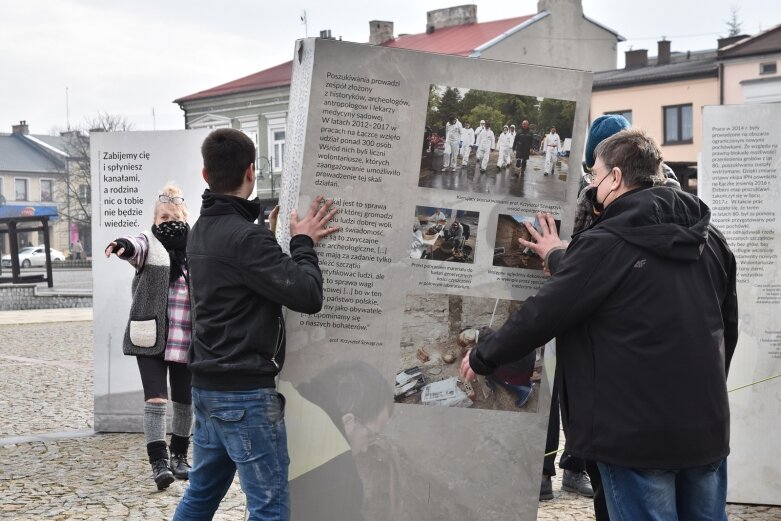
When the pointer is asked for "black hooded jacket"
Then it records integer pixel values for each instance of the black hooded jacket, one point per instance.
(644, 307)
(239, 280)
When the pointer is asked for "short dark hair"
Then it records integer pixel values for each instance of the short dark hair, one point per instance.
(227, 153)
(635, 153)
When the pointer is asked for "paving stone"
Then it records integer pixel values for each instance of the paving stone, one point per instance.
(46, 380)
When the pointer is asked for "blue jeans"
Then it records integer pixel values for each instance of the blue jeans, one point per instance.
(244, 431)
(694, 494)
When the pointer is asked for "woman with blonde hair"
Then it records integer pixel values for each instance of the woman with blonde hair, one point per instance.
(159, 330)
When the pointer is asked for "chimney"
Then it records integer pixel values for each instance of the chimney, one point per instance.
(638, 58)
(21, 128)
(326, 35)
(380, 32)
(663, 54)
(450, 17)
(723, 42)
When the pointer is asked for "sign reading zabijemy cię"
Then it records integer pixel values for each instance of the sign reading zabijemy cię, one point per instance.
(128, 171)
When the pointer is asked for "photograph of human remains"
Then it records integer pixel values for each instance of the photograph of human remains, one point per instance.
(437, 332)
(444, 234)
(494, 142)
(508, 252)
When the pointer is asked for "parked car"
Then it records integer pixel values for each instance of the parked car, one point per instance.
(34, 256)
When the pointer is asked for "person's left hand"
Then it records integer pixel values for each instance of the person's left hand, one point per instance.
(315, 223)
(466, 370)
(545, 242)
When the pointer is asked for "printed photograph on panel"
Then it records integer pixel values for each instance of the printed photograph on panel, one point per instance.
(346, 463)
(444, 234)
(437, 332)
(508, 252)
(494, 142)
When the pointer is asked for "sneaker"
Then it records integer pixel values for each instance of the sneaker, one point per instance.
(546, 488)
(162, 474)
(577, 482)
(180, 466)
(444, 169)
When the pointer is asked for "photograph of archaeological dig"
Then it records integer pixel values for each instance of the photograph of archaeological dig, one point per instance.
(508, 252)
(438, 330)
(497, 142)
(444, 234)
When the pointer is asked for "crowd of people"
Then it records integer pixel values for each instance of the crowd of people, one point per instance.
(646, 287)
(513, 146)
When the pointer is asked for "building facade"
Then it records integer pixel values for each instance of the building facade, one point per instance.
(32, 182)
(664, 95)
(559, 34)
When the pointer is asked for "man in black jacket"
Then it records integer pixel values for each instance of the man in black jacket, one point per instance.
(644, 307)
(522, 144)
(240, 278)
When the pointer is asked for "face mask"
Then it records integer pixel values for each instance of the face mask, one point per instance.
(591, 196)
(173, 234)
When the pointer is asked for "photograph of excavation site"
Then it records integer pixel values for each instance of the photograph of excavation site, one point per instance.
(444, 234)
(508, 252)
(437, 332)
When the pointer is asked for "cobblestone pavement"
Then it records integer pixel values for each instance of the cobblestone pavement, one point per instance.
(53, 467)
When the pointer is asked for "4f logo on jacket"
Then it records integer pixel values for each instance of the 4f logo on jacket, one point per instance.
(639, 264)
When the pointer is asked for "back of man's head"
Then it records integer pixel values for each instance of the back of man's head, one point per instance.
(227, 153)
(635, 153)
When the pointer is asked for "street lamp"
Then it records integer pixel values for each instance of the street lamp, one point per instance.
(264, 168)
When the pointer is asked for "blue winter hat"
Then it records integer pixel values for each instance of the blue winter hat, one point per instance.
(602, 128)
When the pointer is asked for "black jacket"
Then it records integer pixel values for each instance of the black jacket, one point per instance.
(645, 310)
(522, 143)
(239, 280)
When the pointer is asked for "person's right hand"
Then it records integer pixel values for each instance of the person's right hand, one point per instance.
(114, 248)
(543, 242)
(315, 222)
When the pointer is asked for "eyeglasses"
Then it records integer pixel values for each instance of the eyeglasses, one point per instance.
(173, 200)
(590, 177)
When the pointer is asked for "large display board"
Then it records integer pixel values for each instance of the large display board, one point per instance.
(740, 179)
(379, 424)
(128, 171)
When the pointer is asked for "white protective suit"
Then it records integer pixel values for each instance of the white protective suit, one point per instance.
(452, 144)
(550, 146)
(485, 143)
(505, 145)
(467, 140)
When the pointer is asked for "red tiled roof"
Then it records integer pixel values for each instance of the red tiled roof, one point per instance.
(277, 76)
(459, 40)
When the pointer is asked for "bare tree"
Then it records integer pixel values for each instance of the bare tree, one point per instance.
(77, 186)
(734, 24)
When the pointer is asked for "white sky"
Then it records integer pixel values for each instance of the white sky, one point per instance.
(132, 57)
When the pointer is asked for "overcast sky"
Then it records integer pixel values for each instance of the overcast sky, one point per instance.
(136, 57)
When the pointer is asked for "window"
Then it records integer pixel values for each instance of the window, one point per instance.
(767, 68)
(20, 187)
(626, 113)
(278, 143)
(85, 196)
(47, 190)
(678, 124)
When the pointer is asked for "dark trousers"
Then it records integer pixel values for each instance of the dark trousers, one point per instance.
(569, 462)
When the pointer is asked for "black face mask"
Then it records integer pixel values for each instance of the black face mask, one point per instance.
(591, 196)
(173, 235)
